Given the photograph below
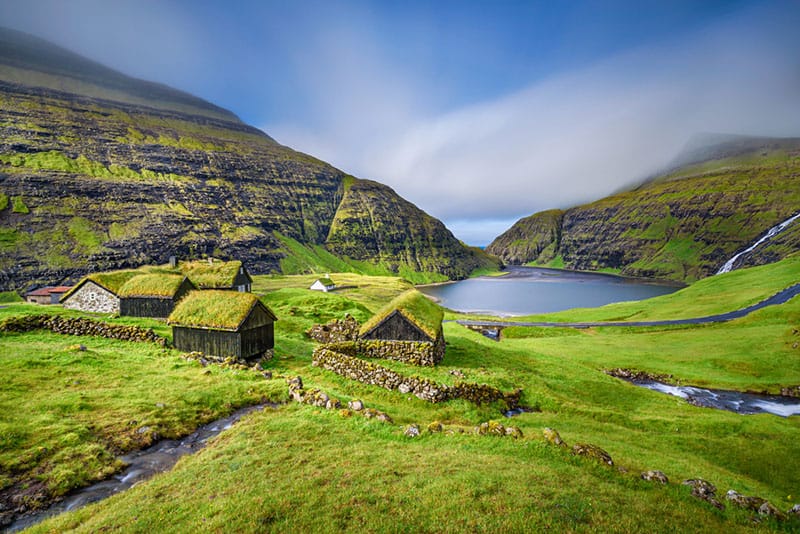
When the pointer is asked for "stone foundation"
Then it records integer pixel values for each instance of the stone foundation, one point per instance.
(412, 352)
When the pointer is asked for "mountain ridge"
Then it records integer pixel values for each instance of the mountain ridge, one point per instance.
(88, 182)
(681, 225)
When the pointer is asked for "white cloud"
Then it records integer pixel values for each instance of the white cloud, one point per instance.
(573, 138)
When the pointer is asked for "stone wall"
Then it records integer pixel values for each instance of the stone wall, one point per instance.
(335, 331)
(92, 298)
(412, 352)
(370, 373)
(80, 326)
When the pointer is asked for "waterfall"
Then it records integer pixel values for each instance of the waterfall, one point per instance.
(775, 230)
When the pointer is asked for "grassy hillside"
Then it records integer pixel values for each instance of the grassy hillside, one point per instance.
(682, 225)
(307, 468)
(103, 171)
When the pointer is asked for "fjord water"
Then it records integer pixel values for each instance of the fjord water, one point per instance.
(529, 290)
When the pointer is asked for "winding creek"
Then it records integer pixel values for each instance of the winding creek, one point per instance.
(141, 464)
(734, 401)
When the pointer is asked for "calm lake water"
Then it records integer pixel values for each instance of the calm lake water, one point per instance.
(528, 290)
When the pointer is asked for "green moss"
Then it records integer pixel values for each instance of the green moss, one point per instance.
(212, 274)
(152, 285)
(84, 233)
(18, 205)
(3, 201)
(415, 307)
(9, 296)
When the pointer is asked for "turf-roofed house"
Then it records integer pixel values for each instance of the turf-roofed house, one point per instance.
(223, 324)
(98, 292)
(153, 295)
(411, 319)
(216, 274)
(324, 284)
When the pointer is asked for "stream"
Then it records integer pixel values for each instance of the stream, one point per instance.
(734, 401)
(142, 465)
(772, 232)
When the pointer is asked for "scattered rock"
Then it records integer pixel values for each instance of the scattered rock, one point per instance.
(592, 451)
(267, 375)
(384, 417)
(333, 404)
(742, 501)
(435, 427)
(295, 383)
(514, 431)
(355, 405)
(411, 431)
(655, 476)
(345, 413)
(160, 405)
(457, 373)
(768, 510)
(704, 490)
(552, 436)
(490, 428)
(795, 510)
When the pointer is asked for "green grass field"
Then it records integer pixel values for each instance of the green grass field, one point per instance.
(304, 469)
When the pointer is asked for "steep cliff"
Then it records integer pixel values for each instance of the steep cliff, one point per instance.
(101, 171)
(682, 225)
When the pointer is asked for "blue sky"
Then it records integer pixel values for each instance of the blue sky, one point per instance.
(478, 112)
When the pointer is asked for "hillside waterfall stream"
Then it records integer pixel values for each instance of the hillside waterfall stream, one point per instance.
(772, 232)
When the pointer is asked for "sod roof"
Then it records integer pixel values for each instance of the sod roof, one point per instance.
(111, 280)
(327, 282)
(152, 285)
(215, 309)
(416, 307)
(210, 275)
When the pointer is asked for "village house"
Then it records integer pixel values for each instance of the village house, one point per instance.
(46, 295)
(98, 292)
(410, 317)
(223, 324)
(153, 295)
(323, 284)
(217, 274)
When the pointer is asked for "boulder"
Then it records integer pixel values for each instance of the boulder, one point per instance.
(355, 405)
(592, 451)
(655, 476)
(552, 436)
(767, 509)
(384, 417)
(795, 510)
(743, 501)
(435, 427)
(514, 431)
(704, 490)
(411, 431)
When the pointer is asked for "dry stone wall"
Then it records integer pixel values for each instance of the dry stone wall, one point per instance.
(335, 331)
(412, 352)
(81, 326)
(370, 373)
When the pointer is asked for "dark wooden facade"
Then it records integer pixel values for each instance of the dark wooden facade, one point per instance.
(397, 327)
(158, 307)
(243, 281)
(254, 336)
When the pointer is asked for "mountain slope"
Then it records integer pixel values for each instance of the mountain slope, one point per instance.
(92, 183)
(682, 225)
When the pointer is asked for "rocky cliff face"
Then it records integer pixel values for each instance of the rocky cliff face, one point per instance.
(103, 181)
(683, 225)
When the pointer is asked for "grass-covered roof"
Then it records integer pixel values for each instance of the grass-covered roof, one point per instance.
(216, 309)
(152, 285)
(211, 274)
(327, 282)
(416, 307)
(111, 280)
